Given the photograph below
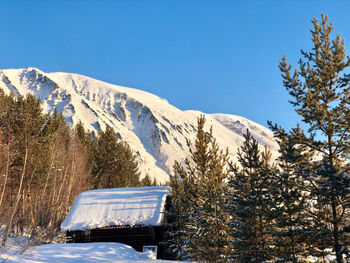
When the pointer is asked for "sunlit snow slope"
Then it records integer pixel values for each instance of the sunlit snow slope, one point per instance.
(153, 128)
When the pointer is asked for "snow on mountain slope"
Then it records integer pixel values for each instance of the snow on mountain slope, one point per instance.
(154, 129)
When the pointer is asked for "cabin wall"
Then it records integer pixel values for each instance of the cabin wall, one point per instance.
(137, 237)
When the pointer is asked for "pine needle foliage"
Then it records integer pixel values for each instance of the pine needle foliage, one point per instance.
(249, 203)
(114, 164)
(292, 197)
(178, 212)
(320, 95)
(40, 162)
(199, 197)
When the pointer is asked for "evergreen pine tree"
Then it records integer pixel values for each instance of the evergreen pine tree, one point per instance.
(176, 241)
(114, 163)
(198, 191)
(40, 165)
(28, 131)
(87, 140)
(265, 203)
(146, 181)
(214, 239)
(155, 182)
(249, 203)
(54, 147)
(320, 94)
(291, 197)
(8, 117)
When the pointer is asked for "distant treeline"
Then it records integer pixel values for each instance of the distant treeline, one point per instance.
(44, 164)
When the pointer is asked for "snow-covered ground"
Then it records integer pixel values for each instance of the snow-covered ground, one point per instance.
(14, 252)
(93, 253)
(77, 253)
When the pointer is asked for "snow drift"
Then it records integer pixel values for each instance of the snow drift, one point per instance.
(79, 253)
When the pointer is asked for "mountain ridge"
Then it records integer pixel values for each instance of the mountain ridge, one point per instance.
(155, 130)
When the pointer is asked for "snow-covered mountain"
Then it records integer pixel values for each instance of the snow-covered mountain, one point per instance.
(153, 128)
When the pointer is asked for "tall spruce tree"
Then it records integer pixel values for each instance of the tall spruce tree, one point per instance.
(320, 94)
(114, 163)
(291, 197)
(176, 235)
(199, 192)
(249, 203)
(214, 232)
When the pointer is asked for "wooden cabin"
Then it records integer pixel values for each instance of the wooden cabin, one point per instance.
(133, 216)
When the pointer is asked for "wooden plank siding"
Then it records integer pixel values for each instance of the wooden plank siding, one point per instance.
(137, 236)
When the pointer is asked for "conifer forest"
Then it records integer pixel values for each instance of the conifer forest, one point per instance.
(257, 209)
(44, 165)
(284, 210)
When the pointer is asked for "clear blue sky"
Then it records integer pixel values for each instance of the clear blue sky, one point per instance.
(213, 56)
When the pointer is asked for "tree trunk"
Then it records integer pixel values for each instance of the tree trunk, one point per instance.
(40, 206)
(337, 246)
(60, 204)
(9, 225)
(6, 175)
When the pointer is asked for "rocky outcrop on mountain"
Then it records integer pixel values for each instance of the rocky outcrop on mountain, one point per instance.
(154, 129)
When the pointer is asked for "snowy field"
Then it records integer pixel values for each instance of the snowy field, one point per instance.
(77, 253)
(92, 253)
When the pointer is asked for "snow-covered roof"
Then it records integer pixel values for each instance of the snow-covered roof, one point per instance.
(117, 206)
